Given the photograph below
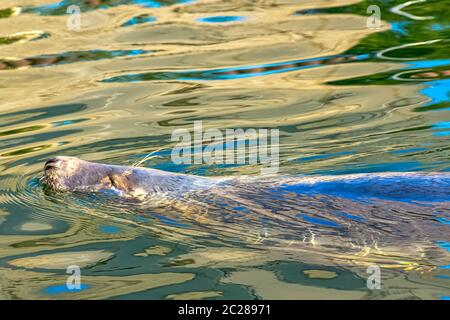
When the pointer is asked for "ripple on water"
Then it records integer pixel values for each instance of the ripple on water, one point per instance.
(221, 19)
(239, 72)
(345, 98)
(60, 8)
(140, 19)
(67, 57)
(21, 37)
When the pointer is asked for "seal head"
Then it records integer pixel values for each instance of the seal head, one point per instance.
(72, 174)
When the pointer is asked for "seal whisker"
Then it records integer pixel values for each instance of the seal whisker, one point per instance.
(148, 156)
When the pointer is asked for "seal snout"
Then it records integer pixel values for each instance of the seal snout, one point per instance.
(60, 163)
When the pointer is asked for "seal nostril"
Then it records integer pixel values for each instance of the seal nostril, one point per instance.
(48, 166)
(49, 163)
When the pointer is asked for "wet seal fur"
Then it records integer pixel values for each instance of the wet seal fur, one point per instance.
(73, 174)
(392, 216)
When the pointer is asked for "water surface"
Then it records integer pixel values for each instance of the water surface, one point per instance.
(346, 98)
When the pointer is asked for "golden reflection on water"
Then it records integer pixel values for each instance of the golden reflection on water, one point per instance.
(55, 99)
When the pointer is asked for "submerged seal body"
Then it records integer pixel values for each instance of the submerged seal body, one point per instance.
(392, 216)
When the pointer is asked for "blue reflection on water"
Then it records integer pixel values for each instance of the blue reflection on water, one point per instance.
(92, 55)
(377, 167)
(219, 74)
(147, 3)
(439, 26)
(444, 244)
(438, 91)
(410, 150)
(443, 220)
(317, 221)
(60, 8)
(428, 63)
(399, 27)
(170, 221)
(441, 125)
(62, 288)
(109, 229)
(129, 53)
(68, 122)
(323, 156)
(241, 72)
(221, 19)
(240, 208)
(442, 134)
(350, 216)
(139, 20)
(158, 4)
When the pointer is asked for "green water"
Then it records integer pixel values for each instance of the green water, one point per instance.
(346, 99)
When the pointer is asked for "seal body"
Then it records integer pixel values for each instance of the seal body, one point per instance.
(401, 215)
(73, 174)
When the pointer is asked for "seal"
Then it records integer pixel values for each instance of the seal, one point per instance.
(392, 216)
(64, 173)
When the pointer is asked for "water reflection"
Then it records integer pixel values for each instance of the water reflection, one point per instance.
(60, 8)
(143, 18)
(240, 72)
(221, 19)
(68, 57)
(23, 36)
(346, 99)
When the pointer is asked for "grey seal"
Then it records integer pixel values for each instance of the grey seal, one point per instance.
(64, 173)
(401, 215)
